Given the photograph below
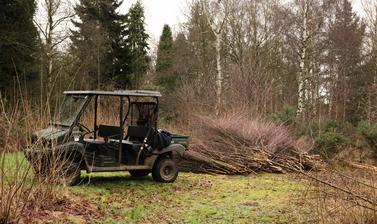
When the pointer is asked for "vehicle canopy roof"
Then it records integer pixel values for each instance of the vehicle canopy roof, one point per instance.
(135, 93)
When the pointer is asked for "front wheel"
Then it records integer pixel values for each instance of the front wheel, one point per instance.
(71, 175)
(165, 170)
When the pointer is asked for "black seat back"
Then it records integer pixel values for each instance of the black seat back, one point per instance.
(110, 132)
(137, 133)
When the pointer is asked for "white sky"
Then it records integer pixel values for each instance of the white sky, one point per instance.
(158, 13)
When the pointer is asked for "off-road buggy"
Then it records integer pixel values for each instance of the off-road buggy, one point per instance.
(134, 144)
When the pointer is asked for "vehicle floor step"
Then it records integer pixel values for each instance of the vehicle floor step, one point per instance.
(118, 168)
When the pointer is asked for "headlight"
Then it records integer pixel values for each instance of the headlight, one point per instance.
(76, 136)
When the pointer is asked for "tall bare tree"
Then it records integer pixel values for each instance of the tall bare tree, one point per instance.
(216, 13)
(52, 21)
(304, 39)
(253, 35)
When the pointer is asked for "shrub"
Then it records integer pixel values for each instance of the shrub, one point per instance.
(369, 132)
(331, 125)
(21, 192)
(307, 129)
(287, 116)
(331, 141)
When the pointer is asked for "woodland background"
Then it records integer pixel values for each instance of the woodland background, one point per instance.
(308, 64)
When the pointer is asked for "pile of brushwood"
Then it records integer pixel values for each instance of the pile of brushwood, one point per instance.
(238, 144)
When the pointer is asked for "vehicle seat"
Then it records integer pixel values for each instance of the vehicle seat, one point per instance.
(137, 133)
(109, 132)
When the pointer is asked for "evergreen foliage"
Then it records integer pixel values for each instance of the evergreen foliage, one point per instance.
(345, 38)
(165, 59)
(202, 41)
(182, 54)
(332, 139)
(369, 132)
(137, 42)
(287, 116)
(98, 42)
(19, 43)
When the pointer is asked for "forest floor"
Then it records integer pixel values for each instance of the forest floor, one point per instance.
(193, 198)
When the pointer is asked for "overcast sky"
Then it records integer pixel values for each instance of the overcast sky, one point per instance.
(158, 13)
(172, 12)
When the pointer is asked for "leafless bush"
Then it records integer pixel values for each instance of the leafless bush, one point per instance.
(22, 188)
(16, 183)
(16, 187)
(346, 196)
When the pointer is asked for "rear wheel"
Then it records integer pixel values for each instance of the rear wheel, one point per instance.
(165, 170)
(139, 173)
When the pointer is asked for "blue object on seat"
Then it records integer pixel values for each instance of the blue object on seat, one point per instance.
(162, 139)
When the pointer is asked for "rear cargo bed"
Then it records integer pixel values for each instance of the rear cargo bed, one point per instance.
(180, 139)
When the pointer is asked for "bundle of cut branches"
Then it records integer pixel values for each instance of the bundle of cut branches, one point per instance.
(237, 144)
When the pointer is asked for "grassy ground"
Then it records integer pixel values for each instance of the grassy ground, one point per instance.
(193, 198)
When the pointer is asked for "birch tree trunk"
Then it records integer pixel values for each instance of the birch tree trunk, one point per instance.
(219, 76)
(216, 18)
(49, 39)
(301, 79)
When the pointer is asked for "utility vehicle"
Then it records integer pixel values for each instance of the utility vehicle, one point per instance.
(132, 144)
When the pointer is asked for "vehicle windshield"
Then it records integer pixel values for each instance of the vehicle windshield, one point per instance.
(69, 110)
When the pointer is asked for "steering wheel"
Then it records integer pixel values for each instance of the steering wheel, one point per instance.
(83, 128)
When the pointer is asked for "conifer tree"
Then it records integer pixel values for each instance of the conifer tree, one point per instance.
(19, 43)
(164, 63)
(98, 42)
(345, 38)
(137, 42)
(182, 65)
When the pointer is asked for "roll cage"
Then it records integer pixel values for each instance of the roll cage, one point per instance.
(135, 99)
